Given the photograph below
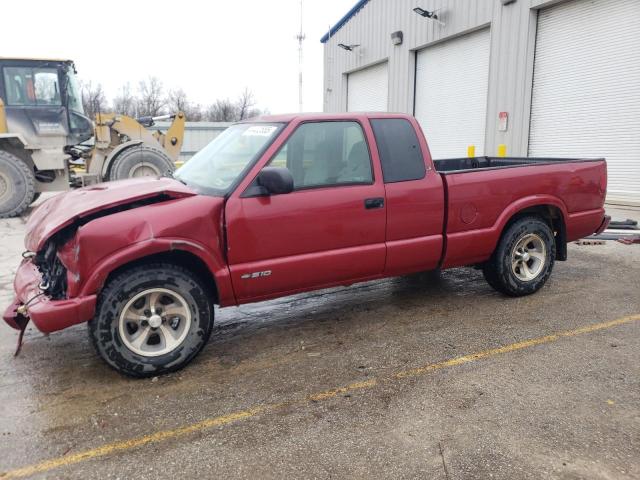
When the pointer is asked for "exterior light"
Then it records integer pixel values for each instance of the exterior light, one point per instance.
(425, 13)
(348, 48)
(396, 38)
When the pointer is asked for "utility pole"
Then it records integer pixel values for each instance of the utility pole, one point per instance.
(300, 37)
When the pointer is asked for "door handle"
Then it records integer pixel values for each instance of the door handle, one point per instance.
(371, 203)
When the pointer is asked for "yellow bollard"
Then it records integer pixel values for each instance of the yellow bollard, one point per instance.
(471, 151)
(502, 150)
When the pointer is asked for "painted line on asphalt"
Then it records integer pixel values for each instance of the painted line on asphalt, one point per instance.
(234, 417)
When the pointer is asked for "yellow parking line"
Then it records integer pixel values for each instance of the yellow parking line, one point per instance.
(234, 417)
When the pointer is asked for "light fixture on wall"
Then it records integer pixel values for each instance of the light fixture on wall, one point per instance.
(432, 15)
(425, 13)
(348, 48)
(396, 38)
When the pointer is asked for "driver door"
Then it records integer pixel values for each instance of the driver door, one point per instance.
(330, 230)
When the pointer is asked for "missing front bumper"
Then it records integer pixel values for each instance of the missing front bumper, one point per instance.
(47, 315)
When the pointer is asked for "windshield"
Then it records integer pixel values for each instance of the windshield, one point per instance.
(73, 92)
(218, 165)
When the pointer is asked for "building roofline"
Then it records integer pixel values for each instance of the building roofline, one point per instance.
(37, 59)
(332, 31)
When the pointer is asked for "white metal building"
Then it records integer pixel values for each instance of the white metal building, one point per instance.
(543, 77)
(196, 135)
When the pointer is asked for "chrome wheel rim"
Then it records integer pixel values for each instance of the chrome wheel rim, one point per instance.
(143, 169)
(528, 258)
(154, 322)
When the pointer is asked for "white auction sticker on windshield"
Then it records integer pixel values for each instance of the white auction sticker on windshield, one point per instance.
(259, 131)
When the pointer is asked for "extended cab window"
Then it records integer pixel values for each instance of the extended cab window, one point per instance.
(326, 153)
(399, 150)
(31, 86)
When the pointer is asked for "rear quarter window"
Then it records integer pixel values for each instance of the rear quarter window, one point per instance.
(399, 150)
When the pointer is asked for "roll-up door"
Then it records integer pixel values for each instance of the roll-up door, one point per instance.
(368, 89)
(586, 88)
(451, 94)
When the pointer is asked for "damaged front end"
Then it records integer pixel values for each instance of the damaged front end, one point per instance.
(54, 273)
(41, 277)
(41, 295)
(44, 269)
(47, 282)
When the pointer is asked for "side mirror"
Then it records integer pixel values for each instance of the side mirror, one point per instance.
(276, 180)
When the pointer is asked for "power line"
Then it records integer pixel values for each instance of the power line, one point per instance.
(300, 37)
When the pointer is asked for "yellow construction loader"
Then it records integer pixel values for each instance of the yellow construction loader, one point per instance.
(47, 143)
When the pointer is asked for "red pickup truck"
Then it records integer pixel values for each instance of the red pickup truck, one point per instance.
(286, 204)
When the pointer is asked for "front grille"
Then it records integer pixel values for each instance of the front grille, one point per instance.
(54, 274)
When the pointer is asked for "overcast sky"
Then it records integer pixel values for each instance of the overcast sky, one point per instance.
(211, 49)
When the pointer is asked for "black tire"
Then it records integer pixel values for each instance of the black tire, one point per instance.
(140, 160)
(17, 185)
(105, 327)
(504, 275)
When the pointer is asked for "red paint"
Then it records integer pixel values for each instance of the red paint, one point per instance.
(303, 240)
(62, 210)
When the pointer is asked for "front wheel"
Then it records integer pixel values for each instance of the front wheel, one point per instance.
(524, 259)
(152, 319)
(17, 185)
(140, 161)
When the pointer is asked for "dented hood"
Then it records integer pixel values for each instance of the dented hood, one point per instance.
(69, 207)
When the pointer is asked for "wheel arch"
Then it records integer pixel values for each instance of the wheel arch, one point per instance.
(553, 215)
(181, 258)
(205, 262)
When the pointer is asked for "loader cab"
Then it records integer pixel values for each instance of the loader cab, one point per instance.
(43, 103)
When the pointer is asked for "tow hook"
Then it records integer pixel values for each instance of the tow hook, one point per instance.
(22, 320)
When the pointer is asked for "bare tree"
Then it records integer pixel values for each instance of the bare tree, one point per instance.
(93, 99)
(222, 111)
(125, 102)
(177, 101)
(245, 104)
(151, 101)
(225, 110)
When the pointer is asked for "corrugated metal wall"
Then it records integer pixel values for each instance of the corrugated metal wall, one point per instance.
(512, 29)
(586, 89)
(196, 135)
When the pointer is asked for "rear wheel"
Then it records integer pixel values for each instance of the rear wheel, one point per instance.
(152, 319)
(524, 259)
(17, 185)
(140, 161)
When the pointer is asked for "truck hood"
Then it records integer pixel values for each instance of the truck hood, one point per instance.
(96, 200)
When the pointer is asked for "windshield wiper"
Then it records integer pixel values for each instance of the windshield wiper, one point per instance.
(169, 174)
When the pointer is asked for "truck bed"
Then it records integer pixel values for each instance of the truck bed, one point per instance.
(481, 191)
(460, 165)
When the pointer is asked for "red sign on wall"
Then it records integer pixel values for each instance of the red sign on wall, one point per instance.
(503, 121)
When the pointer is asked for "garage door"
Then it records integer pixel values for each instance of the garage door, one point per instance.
(586, 88)
(451, 94)
(368, 89)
